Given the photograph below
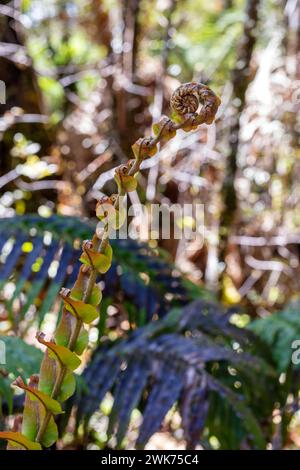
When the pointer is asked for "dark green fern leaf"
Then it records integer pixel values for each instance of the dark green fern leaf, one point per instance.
(127, 395)
(163, 395)
(194, 406)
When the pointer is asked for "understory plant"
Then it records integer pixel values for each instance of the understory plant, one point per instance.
(55, 382)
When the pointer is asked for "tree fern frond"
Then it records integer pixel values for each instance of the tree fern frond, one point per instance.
(57, 239)
(279, 330)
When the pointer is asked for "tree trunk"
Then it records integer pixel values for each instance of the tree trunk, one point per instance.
(240, 80)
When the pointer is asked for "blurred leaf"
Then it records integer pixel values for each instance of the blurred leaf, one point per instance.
(16, 438)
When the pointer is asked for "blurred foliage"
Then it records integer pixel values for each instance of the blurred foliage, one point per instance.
(185, 359)
(80, 76)
(36, 264)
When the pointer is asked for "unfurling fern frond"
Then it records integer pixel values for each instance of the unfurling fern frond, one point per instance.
(189, 358)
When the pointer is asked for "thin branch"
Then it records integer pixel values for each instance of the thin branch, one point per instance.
(267, 265)
(278, 240)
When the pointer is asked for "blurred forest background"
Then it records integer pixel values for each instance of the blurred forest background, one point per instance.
(84, 80)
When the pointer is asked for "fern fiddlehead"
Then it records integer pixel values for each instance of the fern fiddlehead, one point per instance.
(55, 382)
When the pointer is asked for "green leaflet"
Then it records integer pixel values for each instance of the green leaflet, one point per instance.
(82, 341)
(189, 127)
(137, 150)
(50, 435)
(107, 213)
(94, 299)
(126, 182)
(16, 439)
(34, 412)
(99, 261)
(77, 292)
(48, 374)
(62, 334)
(141, 150)
(31, 412)
(63, 331)
(67, 388)
(48, 403)
(79, 309)
(162, 127)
